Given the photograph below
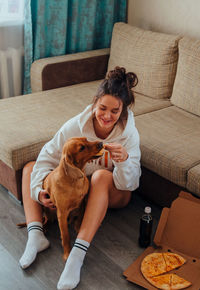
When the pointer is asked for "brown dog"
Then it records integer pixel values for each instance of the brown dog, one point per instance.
(67, 185)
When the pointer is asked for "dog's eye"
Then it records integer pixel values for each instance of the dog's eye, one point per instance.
(82, 148)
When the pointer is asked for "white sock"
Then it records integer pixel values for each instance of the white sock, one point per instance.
(70, 276)
(36, 243)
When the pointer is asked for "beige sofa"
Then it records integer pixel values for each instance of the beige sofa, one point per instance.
(167, 108)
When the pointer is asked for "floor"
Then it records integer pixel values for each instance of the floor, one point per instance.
(113, 249)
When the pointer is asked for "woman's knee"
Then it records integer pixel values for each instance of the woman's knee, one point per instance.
(28, 168)
(102, 176)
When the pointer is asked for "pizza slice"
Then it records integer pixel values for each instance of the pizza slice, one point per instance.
(161, 281)
(153, 265)
(173, 261)
(169, 282)
(178, 282)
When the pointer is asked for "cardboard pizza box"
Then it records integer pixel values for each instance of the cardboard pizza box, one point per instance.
(178, 231)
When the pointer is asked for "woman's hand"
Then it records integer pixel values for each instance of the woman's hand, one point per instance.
(44, 198)
(117, 151)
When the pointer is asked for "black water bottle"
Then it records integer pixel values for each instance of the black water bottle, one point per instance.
(146, 222)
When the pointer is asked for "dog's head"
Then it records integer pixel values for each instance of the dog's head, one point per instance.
(78, 151)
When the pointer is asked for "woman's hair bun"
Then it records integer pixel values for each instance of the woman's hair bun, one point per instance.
(119, 74)
(118, 83)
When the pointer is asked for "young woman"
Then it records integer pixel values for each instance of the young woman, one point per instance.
(109, 120)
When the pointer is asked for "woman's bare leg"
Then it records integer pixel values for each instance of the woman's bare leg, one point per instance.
(37, 242)
(32, 209)
(102, 194)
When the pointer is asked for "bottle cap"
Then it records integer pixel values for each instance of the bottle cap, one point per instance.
(147, 209)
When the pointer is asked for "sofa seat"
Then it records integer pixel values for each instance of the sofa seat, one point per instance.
(193, 181)
(170, 142)
(145, 104)
(35, 118)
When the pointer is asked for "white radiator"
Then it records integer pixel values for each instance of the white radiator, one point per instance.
(11, 72)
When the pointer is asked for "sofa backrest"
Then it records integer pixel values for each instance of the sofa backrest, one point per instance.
(151, 55)
(186, 91)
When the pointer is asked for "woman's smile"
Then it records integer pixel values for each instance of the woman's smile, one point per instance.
(106, 122)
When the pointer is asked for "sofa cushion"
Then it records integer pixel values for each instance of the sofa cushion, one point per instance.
(145, 104)
(186, 92)
(28, 122)
(193, 180)
(151, 55)
(170, 141)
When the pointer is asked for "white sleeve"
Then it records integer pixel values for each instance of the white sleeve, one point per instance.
(126, 174)
(50, 155)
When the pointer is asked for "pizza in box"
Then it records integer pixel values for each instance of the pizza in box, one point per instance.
(155, 268)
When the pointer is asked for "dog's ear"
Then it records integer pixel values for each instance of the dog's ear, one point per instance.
(69, 158)
(72, 171)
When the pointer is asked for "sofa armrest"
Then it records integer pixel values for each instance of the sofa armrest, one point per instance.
(60, 71)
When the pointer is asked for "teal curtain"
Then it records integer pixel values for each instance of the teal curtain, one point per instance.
(57, 27)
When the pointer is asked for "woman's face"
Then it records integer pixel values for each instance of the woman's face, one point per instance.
(107, 111)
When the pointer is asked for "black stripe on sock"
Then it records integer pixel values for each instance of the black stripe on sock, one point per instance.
(80, 247)
(35, 228)
(77, 243)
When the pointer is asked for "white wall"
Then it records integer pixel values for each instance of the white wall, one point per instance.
(169, 16)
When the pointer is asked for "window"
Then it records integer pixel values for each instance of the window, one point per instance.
(11, 11)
